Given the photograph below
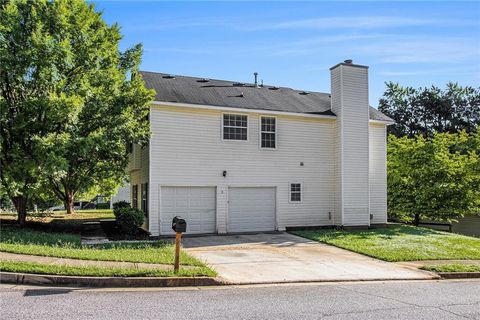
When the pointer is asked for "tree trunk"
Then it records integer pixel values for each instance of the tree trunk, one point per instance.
(69, 202)
(416, 221)
(20, 203)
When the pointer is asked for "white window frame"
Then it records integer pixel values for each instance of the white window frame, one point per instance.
(290, 192)
(222, 126)
(260, 132)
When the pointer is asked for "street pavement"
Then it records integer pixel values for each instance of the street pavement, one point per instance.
(428, 299)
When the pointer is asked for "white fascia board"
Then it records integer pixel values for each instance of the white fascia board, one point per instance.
(231, 109)
(387, 123)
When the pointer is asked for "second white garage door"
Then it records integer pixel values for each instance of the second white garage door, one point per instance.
(251, 209)
(195, 204)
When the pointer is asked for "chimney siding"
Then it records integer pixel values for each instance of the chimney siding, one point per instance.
(349, 90)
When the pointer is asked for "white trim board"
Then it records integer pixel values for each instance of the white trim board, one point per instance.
(259, 111)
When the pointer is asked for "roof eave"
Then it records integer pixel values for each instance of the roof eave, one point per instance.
(234, 109)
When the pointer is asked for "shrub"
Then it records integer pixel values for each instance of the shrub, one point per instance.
(120, 204)
(129, 219)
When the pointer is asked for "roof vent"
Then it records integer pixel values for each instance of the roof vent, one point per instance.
(239, 84)
(274, 88)
(169, 76)
(348, 61)
(303, 93)
(204, 80)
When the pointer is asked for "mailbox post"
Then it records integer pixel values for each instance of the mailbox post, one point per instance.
(179, 225)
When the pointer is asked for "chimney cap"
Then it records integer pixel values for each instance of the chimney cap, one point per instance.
(348, 62)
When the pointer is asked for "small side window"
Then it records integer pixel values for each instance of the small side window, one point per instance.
(295, 192)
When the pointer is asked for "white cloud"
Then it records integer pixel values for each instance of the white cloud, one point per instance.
(439, 50)
(366, 22)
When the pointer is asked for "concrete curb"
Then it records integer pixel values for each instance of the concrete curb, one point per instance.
(77, 281)
(119, 282)
(459, 275)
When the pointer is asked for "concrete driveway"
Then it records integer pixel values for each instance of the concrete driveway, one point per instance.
(274, 258)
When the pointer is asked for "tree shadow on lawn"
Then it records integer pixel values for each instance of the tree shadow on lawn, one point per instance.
(55, 225)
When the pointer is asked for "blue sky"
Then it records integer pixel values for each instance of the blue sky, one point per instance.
(293, 44)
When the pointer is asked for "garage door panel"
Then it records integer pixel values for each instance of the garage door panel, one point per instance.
(195, 204)
(251, 209)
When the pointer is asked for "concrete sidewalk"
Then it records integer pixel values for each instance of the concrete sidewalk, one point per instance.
(275, 258)
(5, 256)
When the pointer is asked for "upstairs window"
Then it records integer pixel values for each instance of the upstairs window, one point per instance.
(295, 192)
(268, 132)
(235, 127)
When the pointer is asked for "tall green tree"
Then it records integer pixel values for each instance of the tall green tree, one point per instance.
(77, 97)
(428, 110)
(435, 178)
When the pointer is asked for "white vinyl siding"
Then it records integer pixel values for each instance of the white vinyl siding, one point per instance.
(197, 157)
(251, 209)
(350, 104)
(378, 173)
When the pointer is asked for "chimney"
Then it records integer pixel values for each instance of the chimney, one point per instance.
(255, 75)
(349, 101)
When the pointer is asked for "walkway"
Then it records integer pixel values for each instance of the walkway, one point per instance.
(4, 256)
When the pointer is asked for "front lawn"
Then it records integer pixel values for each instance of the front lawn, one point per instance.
(400, 243)
(93, 271)
(453, 268)
(65, 245)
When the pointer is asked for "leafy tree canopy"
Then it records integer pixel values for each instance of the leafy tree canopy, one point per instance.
(70, 100)
(434, 178)
(428, 110)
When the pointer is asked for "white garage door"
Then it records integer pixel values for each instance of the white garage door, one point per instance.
(195, 204)
(251, 209)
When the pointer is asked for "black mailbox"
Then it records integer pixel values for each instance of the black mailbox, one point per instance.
(179, 224)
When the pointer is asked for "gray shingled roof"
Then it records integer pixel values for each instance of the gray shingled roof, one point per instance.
(223, 93)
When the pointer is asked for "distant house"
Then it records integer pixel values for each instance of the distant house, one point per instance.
(234, 157)
(123, 194)
(468, 225)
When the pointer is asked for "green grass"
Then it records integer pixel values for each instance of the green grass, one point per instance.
(92, 271)
(64, 245)
(452, 268)
(61, 216)
(400, 243)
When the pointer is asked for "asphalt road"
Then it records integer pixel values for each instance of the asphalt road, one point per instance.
(374, 300)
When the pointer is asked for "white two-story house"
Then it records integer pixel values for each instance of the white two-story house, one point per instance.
(232, 157)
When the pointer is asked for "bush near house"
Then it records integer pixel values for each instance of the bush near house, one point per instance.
(129, 220)
(120, 204)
